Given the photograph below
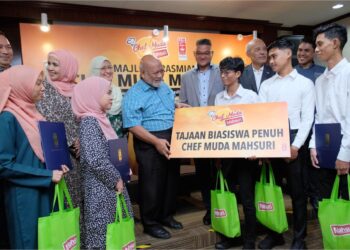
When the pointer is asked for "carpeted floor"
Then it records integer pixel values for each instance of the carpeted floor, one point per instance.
(195, 235)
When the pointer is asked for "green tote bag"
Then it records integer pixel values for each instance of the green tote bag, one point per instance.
(60, 230)
(269, 203)
(334, 217)
(224, 211)
(121, 233)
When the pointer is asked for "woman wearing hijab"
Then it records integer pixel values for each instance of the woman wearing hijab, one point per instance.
(90, 102)
(27, 182)
(101, 66)
(62, 69)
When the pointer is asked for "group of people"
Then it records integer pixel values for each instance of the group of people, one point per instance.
(314, 94)
(92, 111)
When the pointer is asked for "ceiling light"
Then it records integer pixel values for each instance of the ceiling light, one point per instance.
(155, 32)
(166, 33)
(255, 34)
(44, 27)
(338, 6)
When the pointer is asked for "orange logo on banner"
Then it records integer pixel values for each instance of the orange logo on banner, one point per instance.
(226, 117)
(182, 48)
(148, 46)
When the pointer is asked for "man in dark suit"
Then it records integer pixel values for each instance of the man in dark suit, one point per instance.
(199, 87)
(254, 74)
(258, 71)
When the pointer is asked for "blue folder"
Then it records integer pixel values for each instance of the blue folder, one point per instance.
(328, 141)
(54, 144)
(118, 153)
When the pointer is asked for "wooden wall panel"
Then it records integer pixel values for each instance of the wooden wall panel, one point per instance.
(14, 12)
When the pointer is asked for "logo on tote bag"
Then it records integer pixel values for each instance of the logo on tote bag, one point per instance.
(340, 230)
(265, 206)
(70, 243)
(129, 246)
(220, 213)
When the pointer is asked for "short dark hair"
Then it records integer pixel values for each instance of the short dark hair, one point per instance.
(308, 40)
(332, 31)
(204, 41)
(2, 33)
(281, 43)
(232, 63)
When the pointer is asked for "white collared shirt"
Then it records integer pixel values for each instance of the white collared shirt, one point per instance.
(203, 79)
(299, 93)
(258, 75)
(333, 103)
(242, 96)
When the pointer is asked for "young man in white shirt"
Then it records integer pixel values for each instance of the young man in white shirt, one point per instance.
(333, 101)
(287, 85)
(240, 169)
(307, 67)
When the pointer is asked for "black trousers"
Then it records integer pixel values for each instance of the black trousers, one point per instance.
(244, 173)
(205, 174)
(313, 184)
(295, 173)
(312, 178)
(158, 180)
(326, 180)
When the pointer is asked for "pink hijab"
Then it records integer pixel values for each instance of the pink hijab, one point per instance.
(86, 102)
(69, 71)
(16, 91)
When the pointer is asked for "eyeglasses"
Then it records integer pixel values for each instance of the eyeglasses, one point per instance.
(207, 53)
(226, 72)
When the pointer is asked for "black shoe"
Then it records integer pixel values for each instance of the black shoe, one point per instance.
(298, 244)
(157, 232)
(249, 245)
(207, 218)
(172, 223)
(227, 243)
(269, 242)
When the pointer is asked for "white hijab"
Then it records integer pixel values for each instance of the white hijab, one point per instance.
(95, 68)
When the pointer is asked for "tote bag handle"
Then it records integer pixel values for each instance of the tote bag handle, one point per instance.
(271, 175)
(121, 204)
(335, 189)
(61, 192)
(222, 183)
